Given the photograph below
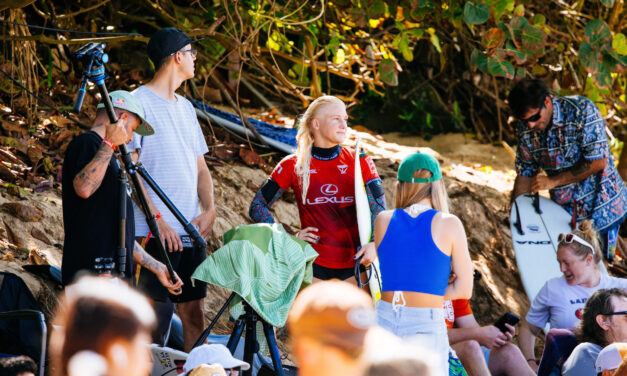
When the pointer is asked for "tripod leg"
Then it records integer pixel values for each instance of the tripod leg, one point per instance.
(250, 346)
(205, 333)
(235, 335)
(274, 349)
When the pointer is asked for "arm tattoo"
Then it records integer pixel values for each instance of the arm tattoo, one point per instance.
(88, 176)
(144, 259)
(581, 167)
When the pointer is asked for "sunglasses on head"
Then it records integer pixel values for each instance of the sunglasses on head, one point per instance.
(534, 118)
(569, 238)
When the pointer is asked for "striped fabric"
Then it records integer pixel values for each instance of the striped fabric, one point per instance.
(263, 265)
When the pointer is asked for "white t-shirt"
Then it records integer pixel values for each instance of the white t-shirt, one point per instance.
(561, 304)
(170, 156)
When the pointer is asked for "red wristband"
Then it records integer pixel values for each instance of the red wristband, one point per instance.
(158, 216)
(108, 143)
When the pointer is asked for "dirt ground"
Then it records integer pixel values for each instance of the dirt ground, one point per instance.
(478, 179)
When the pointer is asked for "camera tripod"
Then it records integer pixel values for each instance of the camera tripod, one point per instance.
(94, 58)
(247, 323)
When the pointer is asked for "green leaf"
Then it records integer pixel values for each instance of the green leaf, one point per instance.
(387, 72)
(435, 41)
(500, 68)
(500, 6)
(538, 19)
(603, 78)
(588, 57)
(418, 33)
(403, 46)
(608, 3)
(519, 10)
(533, 38)
(377, 9)
(597, 32)
(479, 60)
(476, 14)
(619, 43)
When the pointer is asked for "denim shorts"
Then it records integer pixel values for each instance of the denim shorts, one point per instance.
(424, 327)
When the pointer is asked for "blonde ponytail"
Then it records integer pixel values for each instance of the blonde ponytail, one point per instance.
(305, 140)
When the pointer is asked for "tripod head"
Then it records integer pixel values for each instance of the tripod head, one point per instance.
(94, 58)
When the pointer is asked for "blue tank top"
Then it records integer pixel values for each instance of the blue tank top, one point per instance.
(409, 259)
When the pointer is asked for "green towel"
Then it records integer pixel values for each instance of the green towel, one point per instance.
(263, 265)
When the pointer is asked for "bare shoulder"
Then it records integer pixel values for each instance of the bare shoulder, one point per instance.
(447, 221)
(384, 216)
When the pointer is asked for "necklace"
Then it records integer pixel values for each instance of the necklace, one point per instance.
(418, 208)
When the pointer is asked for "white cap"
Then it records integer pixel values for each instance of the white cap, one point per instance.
(212, 354)
(611, 357)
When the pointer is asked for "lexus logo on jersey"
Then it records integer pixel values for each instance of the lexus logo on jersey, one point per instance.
(342, 168)
(328, 189)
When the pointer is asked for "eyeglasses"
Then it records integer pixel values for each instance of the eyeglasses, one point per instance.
(534, 118)
(615, 313)
(191, 52)
(569, 238)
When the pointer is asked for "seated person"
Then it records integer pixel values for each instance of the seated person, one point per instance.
(561, 299)
(604, 322)
(483, 350)
(610, 359)
(214, 354)
(18, 366)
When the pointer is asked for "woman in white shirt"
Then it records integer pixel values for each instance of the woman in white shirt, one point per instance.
(561, 300)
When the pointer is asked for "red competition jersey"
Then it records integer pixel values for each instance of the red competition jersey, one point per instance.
(330, 203)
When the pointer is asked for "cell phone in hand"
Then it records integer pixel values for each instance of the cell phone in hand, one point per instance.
(508, 318)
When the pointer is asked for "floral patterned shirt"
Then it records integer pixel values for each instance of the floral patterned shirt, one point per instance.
(577, 131)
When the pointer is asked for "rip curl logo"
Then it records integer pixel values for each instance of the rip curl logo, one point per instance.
(329, 189)
(279, 168)
(342, 168)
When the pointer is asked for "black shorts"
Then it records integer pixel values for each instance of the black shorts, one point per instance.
(325, 273)
(184, 263)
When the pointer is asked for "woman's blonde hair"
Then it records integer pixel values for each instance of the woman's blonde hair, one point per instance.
(587, 232)
(304, 138)
(407, 194)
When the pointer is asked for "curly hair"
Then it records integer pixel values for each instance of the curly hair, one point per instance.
(525, 95)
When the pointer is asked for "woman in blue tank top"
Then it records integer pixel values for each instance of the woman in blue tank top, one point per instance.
(417, 244)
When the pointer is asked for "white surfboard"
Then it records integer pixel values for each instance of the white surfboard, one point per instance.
(536, 222)
(364, 224)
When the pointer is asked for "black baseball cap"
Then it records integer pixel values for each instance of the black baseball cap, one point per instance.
(165, 42)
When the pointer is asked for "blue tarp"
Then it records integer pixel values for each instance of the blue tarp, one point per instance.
(278, 133)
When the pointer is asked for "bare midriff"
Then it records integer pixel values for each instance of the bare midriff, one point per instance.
(416, 299)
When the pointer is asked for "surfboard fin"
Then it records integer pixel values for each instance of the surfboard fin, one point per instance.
(518, 224)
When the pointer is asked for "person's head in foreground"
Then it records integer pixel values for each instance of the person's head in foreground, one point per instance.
(610, 358)
(530, 102)
(419, 179)
(604, 318)
(579, 255)
(103, 327)
(18, 366)
(214, 354)
(328, 325)
(323, 125)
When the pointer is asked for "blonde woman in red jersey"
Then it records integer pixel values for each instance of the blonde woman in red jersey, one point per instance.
(321, 174)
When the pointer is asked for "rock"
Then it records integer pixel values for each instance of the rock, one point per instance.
(39, 235)
(26, 213)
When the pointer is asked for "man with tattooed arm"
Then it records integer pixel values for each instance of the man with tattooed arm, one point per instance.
(91, 194)
(565, 137)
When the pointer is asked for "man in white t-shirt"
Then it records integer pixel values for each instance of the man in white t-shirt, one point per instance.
(175, 161)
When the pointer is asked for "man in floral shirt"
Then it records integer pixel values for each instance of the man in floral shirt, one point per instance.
(565, 137)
